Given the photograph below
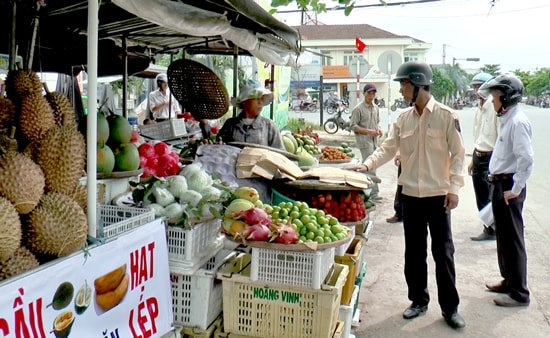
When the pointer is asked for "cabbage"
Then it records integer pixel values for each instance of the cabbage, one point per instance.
(191, 197)
(162, 195)
(157, 208)
(199, 181)
(177, 185)
(190, 169)
(211, 194)
(173, 212)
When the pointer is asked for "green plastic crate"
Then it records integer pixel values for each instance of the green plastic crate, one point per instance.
(358, 281)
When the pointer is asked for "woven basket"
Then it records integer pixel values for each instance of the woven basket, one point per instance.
(198, 89)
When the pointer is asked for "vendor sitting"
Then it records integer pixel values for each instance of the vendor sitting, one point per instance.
(249, 126)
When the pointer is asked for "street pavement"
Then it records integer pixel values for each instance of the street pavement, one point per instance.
(383, 294)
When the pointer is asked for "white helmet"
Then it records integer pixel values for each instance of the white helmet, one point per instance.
(161, 77)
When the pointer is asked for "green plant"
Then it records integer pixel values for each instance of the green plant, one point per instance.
(299, 123)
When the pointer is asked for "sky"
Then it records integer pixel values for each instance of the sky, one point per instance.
(514, 34)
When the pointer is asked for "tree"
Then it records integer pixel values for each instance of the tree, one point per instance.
(525, 77)
(319, 6)
(443, 86)
(540, 82)
(491, 69)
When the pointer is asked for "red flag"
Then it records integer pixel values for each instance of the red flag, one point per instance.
(360, 45)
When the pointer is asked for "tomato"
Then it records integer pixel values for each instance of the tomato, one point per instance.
(146, 150)
(161, 148)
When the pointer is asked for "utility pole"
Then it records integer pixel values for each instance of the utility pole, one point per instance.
(444, 53)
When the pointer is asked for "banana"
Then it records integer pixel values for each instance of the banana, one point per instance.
(110, 280)
(110, 299)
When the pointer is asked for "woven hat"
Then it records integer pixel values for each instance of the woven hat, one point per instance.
(248, 93)
(198, 89)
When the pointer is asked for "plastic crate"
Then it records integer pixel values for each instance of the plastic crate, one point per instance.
(197, 298)
(358, 282)
(346, 313)
(341, 250)
(339, 331)
(165, 130)
(114, 220)
(352, 258)
(277, 197)
(259, 309)
(186, 247)
(301, 268)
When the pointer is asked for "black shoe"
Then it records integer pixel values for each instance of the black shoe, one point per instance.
(487, 235)
(414, 311)
(454, 320)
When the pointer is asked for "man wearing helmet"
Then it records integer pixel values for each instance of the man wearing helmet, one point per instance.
(427, 136)
(485, 136)
(365, 123)
(510, 167)
(163, 104)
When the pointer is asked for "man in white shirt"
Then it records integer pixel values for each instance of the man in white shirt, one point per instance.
(163, 104)
(485, 136)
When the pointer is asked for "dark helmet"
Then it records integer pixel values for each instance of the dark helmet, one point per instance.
(508, 87)
(420, 74)
(481, 78)
(369, 87)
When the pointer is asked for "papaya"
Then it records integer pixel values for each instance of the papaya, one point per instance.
(110, 280)
(289, 145)
(120, 130)
(127, 157)
(110, 299)
(105, 160)
(102, 129)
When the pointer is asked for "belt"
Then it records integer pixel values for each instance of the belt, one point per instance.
(482, 153)
(499, 177)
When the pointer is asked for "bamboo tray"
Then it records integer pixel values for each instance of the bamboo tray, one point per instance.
(120, 174)
(315, 184)
(335, 161)
(252, 145)
(307, 246)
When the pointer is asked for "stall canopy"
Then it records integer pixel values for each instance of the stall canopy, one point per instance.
(145, 28)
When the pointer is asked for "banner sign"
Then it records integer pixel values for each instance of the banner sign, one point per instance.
(119, 289)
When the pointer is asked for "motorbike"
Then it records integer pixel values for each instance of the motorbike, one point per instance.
(332, 124)
(306, 106)
(399, 103)
(380, 103)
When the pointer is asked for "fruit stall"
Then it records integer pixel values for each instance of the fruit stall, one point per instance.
(145, 244)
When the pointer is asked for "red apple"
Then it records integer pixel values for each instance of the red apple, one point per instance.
(146, 150)
(161, 148)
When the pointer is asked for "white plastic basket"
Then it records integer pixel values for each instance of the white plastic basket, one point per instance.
(302, 268)
(259, 309)
(114, 220)
(165, 130)
(346, 312)
(341, 250)
(197, 298)
(187, 247)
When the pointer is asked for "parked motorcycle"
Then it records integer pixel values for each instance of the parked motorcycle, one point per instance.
(332, 125)
(380, 103)
(399, 103)
(306, 106)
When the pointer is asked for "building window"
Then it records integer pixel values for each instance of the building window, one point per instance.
(348, 56)
(411, 57)
(326, 61)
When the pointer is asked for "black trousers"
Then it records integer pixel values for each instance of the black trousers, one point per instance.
(512, 256)
(482, 187)
(419, 215)
(397, 204)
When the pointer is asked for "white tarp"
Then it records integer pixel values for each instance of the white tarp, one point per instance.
(194, 21)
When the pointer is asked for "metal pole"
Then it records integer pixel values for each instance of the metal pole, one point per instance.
(235, 76)
(321, 101)
(13, 43)
(125, 78)
(30, 52)
(388, 105)
(272, 87)
(91, 133)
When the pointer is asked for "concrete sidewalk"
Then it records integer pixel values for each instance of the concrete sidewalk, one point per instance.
(383, 295)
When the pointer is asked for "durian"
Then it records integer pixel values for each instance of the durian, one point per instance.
(22, 83)
(21, 181)
(21, 261)
(10, 229)
(80, 195)
(7, 112)
(36, 117)
(63, 110)
(62, 157)
(57, 226)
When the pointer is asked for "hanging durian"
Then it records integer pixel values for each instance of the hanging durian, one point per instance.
(10, 229)
(57, 226)
(35, 117)
(7, 112)
(22, 83)
(63, 110)
(22, 260)
(21, 181)
(62, 157)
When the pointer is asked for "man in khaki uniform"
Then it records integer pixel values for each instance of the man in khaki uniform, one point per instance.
(428, 138)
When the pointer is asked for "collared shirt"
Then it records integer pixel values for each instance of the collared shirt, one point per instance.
(513, 151)
(432, 151)
(262, 131)
(485, 126)
(365, 116)
(157, 97)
